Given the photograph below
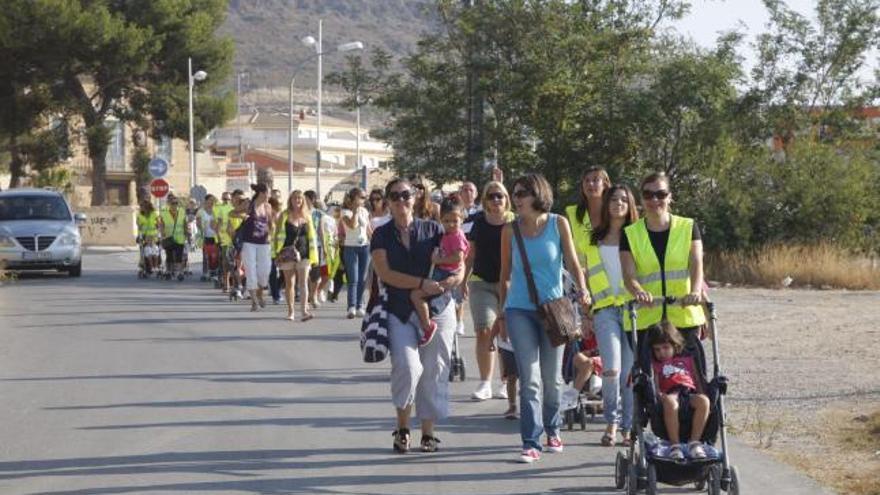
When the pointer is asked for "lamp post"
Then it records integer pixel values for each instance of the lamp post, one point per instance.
(198, 76)
(319, 53)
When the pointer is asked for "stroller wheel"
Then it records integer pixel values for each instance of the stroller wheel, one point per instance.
(713, 483)
(632, 478)
(203, 278)
(733, 484)
(583, 410)
(651, 486)
(700, 485)
(461, 373)
(620, 468)
(180, 277)
(569, 419)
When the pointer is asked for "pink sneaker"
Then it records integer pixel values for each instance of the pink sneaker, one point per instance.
(428, 335)
(529, 456)
(554, 445)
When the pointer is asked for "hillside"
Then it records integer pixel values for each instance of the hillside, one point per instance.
(268, 32)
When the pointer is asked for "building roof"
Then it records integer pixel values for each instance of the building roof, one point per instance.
(281, 120)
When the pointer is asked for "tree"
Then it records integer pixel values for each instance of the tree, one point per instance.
(126, 60)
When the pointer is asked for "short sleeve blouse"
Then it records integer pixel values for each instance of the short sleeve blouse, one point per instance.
(425, 236)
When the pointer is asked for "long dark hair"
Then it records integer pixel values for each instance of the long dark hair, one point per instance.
(583, 204)
(632, 215)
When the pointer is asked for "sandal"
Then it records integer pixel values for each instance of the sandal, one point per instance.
(307, 317)
(429, 443)
(627, 441)
(401, 440)
(511, 413)
(607, 440)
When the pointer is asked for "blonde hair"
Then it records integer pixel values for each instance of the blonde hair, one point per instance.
(305, 210)
(492, 184)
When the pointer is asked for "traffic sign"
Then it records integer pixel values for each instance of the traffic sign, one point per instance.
(159, 188)
(158, 167)
(198, 193)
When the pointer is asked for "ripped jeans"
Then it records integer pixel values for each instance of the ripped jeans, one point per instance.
(617, 361)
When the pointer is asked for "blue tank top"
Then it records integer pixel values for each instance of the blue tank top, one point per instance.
(545, 257)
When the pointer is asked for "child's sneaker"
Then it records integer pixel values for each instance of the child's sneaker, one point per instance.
(428, 335)
(696, 450)
(675, 452)
(554, 445)
(528, 456)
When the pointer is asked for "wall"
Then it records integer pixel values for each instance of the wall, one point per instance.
(109, 225)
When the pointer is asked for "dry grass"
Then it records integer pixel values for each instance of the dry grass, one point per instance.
(818, 266)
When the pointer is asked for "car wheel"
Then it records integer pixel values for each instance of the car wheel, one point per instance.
(75, 270)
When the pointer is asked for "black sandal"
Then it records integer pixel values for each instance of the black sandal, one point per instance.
(429, 443)
(401, 440)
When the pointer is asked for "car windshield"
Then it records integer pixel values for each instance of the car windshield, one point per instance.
(33, 208)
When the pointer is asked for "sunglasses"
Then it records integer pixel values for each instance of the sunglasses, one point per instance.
(658, 195)
(376, 198)
(522, 193)
(400, 196)
(495, 196)
(419, 187)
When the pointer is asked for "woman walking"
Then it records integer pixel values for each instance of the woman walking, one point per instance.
(402, 251)
(605, 280)
(296, 249)
(586, 214)
(662, 255)
(378, 208)
(547, 241)
(423, 207)
(483, 271)
(355, 249)
(256, 253)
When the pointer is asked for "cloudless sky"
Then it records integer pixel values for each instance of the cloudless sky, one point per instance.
(708, 18)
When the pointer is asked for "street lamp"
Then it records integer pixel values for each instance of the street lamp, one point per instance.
(198, 76)
(319, 53)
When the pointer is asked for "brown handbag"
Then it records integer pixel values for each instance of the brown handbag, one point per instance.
(558, 315)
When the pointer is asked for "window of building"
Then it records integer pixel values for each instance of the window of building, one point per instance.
(116, 151)
(164, 147)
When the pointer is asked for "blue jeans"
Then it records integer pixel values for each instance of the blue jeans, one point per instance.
(356, 258)
(540, 373)
(617, 361)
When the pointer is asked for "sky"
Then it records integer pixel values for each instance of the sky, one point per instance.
(708, 18)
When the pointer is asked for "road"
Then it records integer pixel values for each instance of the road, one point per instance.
(115, 385)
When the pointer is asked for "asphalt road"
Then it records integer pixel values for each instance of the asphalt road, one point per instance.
(116, 385)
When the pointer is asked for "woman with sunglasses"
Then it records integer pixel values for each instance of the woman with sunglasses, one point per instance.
(548, 243)
(378, 209)
(401, 251)
(423, 206)
(482, 271)
(662, 255)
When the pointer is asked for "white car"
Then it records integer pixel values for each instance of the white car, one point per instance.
(38, 231)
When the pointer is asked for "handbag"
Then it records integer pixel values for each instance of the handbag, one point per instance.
(374, 329)
(557, 315)
(168, 242)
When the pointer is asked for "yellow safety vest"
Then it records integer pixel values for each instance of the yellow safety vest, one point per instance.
(581, 231)
(148, 225)
(281, 235)
(175, 227)
(221, 215)
(600, 286)
(678, 277)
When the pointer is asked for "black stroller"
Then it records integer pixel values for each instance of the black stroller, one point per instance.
(647, 463)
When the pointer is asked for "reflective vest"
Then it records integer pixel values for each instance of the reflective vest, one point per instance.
(581, 230)
(328, 238)
(174, 227)
(221, 215)
(148, 225)
(281, 236)
(678, 277)
(600, 286)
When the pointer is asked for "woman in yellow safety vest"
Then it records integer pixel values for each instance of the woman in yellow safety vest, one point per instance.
(662, 255)
(220, 225)
(605, 281)
(148, 233)
(295, 233)
(173, 226)
(584, 215)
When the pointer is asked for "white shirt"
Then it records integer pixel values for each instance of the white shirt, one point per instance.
(377, 222)
(205, 218)
(358, 235)
(611, 261)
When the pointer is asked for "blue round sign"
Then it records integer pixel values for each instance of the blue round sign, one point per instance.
(158, 167)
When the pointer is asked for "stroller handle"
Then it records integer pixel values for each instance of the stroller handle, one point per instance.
(633, 305)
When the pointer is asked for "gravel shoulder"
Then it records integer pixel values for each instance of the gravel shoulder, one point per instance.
(803, 369)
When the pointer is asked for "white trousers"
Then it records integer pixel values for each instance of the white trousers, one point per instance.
(257, 261)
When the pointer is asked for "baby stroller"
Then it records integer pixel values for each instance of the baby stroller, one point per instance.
(590, 398)
(647, 463)
(456, 361)
(211, 262)
(147, 250)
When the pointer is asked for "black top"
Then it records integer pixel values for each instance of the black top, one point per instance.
(298, 237)
(424, 238)
(487, 238)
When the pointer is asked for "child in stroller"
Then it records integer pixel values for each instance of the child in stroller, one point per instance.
(678, 388)
(586, 365)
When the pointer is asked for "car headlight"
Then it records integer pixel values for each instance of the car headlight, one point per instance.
(7, 242)
(68, 239)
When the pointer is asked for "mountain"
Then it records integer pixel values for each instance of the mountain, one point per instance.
(267, 34)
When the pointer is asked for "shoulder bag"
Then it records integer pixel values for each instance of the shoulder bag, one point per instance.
(374, 328)
(558, 315)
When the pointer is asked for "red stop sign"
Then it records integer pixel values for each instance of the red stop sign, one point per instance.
(159, 188)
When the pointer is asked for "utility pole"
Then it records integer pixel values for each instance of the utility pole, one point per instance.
(475, 103)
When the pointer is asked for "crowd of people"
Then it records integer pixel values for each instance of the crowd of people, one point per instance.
(479, 249)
